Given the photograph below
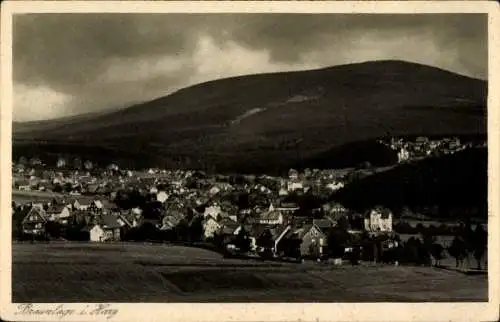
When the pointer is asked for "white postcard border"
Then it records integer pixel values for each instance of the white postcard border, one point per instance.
(255, 311)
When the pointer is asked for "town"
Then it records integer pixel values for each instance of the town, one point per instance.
(288, 218)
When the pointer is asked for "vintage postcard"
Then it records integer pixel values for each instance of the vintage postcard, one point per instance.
(249, 161)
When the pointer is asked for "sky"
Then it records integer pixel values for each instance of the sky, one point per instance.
(69, 64)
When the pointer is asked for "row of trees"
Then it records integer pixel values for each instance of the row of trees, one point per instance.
(432, 230)
(61, 163)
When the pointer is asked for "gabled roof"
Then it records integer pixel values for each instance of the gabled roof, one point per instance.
(272, 215)
(287, 205)
(92, 187)
(174, 214)
(109, 222)
(323, 224)
(298, 232)
(109, 204)
(82, 201)
(171, 218)
(385, 212)
(258, 229)
(302, 231)
(98, 204)
(126, 219)
(55, 209)
(226, 222)
(23, 182)
(37, 211)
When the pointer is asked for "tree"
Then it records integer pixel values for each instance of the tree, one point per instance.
(196, 229)
(480, 241)
(57, 188)
(437, 252)
(67, 187)
(148, 231)
(23, 160)
(458, 250)
(266, 239)
(182, 230)
(53, 229)
(153, 210)
(411, 250)
(343, 223)
(242, 242)
(338, 239)
(424, 256)
(88, 165)
(77, 163)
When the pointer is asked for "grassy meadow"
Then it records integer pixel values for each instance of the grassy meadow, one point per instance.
(84, 272)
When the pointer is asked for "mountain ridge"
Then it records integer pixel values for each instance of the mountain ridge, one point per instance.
(288, 115)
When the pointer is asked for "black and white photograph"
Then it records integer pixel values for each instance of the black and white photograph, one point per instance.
(247, 156)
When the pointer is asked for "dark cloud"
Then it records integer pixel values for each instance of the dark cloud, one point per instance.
(289, 36)
(75, 55)
(72, 49)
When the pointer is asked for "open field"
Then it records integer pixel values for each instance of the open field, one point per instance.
(43, 196)
(75, 272)
(29, 196)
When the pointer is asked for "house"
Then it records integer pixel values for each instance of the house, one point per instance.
(265, 239)
(136, 211)
(58, 212)
(294, 185)
(34, 221)
(228, 207)
(96, 206)
(25, 188)
(286, 208)
(308, 240)
(214, 190)
(153, 190)
(109, 206)
(23, 185)
(107, 229)
(227, 226)
(81, 217)
(293, 174)
(283, 192)
(210, 227)
(127, 220)
(334, 186)
(335, 209)
(169, 222)
(378, 219)
(270, 217)
(161, 196)
(214, 211)
(102, 206)
(80, 204)
(454, 144)
(171, 219)
(35, 161)
(88, 165)
(92, 188)
(403, 155)
(61, 163)
(113, 167)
